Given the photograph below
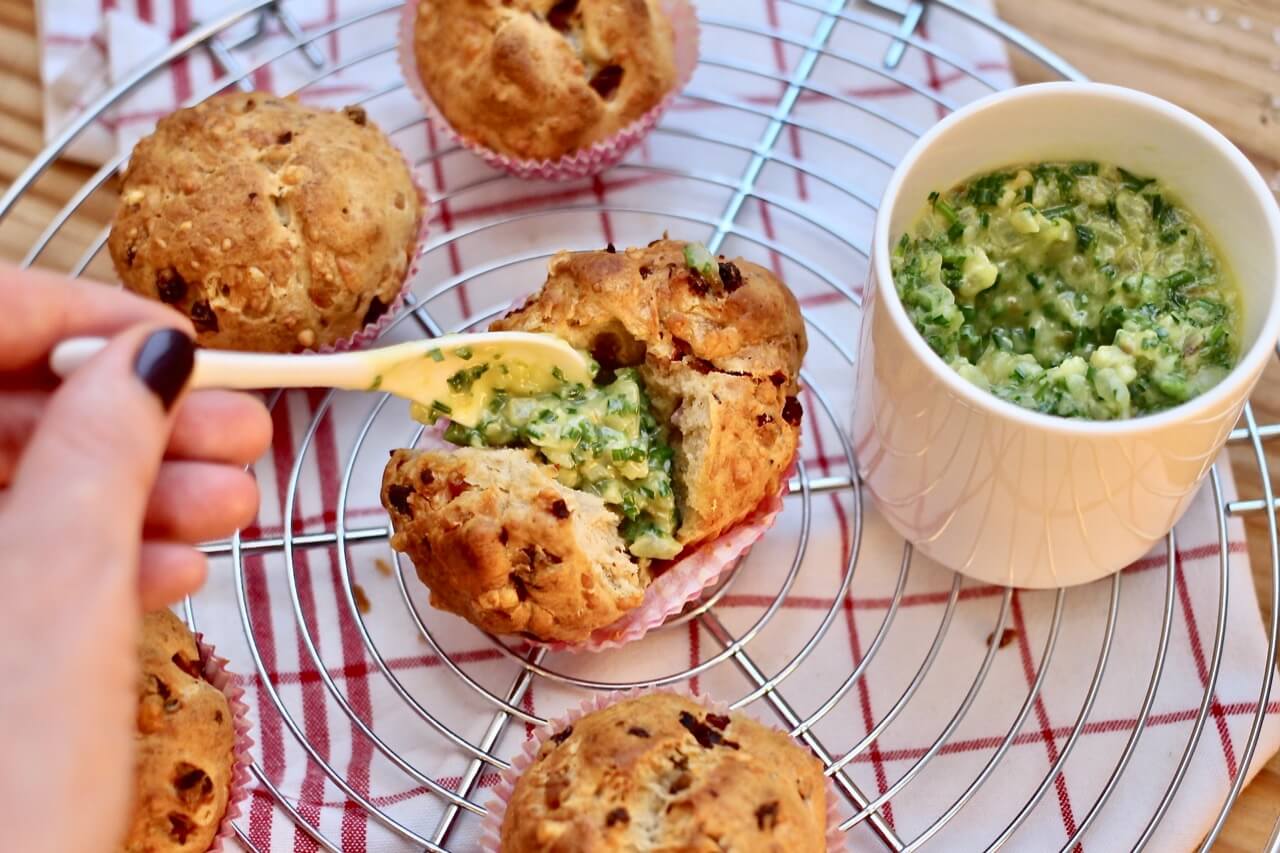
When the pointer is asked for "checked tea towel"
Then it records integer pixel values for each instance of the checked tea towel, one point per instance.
(926, 634)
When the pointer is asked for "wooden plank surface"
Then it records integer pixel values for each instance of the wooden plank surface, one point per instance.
(1221, 60)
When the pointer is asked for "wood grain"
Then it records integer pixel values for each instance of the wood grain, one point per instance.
(1224, 71)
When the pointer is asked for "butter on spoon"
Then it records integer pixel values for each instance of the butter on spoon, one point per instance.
(452, 376)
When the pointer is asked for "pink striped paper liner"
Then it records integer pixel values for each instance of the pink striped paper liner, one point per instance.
(214, 671)
(495, 809)
(585, 162)
(374, 330)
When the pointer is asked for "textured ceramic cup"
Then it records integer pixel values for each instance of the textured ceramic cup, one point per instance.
(1015, 497)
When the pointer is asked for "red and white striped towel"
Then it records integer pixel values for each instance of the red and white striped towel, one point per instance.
(489, 217)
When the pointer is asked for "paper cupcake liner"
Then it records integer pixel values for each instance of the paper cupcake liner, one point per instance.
(491, 825)
(374, 330)
(214, 671)
(687, 578)
(585, 162)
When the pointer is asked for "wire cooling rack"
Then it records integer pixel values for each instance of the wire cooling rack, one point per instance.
(900, 25)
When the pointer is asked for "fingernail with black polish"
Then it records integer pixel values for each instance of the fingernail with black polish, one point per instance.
(164, 363)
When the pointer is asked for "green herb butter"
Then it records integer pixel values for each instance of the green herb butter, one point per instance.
(1074, 289)
(601, 439)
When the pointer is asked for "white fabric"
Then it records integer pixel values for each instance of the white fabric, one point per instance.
(75, 71)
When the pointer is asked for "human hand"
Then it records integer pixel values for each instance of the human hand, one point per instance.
(106, 483)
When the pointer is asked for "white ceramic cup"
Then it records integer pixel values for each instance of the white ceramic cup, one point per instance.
(1011, 496)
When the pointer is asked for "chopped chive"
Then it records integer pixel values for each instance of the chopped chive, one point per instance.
(1084, 236)
(986, 191)
(457, 434)
(435, 354)
(933, 197)
(558, 374)
(1028, 193)
(1179, 279)
(377, 383)
(948, 212)
(464, 353)
(984, 218)
(462, 381)
(1134, 182)
(1058, 212)
(441, 407)
(956, 231)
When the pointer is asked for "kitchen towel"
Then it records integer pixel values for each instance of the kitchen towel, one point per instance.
(917, 638)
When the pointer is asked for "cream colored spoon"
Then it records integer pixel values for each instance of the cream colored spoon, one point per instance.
(452, 376)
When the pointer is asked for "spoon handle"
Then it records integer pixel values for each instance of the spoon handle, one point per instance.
(243, 370)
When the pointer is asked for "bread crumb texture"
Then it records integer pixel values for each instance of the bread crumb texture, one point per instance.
(540, 79)
(275, 227)
(185, 740)
(661, 773)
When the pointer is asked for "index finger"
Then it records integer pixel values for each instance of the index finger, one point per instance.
(38, 309)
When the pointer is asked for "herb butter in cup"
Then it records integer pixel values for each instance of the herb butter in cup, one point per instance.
(1073, 292)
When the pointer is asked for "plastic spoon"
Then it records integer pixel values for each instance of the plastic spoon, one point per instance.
(452, 376)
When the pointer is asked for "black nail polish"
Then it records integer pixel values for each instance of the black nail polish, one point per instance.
(164, 363)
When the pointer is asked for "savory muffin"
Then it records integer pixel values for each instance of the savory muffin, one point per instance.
(540, 79)
(565, 505)
(273, 226)
(185, 743)
(660, 772)
(498, 540)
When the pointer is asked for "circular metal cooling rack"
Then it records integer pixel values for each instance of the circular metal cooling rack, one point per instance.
(810, 34)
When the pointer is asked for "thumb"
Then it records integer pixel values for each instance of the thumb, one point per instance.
(98, 446)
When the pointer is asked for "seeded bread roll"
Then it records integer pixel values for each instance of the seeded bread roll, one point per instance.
(720, 361)
(273, 226)
(185, 743)
(539, 79)
(660, 772)
(501, 543)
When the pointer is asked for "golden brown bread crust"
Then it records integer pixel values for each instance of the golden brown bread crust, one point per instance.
(500, 542)
(659, 773)
(539, 79)
(185, 743)
(274, 226)
(720, 364)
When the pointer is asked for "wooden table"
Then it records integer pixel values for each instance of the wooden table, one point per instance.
(1219, 59)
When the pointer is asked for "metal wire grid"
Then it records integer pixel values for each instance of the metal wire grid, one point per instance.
(213, 37)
